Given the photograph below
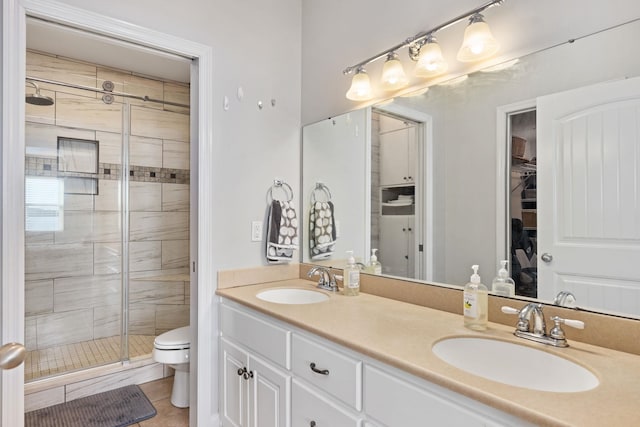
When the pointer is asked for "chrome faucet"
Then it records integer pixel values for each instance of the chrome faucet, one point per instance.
(565, 299)
(327, 280)
(531, 325)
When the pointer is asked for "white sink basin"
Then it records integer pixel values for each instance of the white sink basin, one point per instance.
(515, 364)
(292, 296)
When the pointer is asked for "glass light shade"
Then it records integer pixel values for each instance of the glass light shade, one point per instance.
(393, 76)
(430, 61)
(360, 89)
(478, 42)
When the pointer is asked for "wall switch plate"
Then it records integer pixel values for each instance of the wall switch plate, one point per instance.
(256, 231)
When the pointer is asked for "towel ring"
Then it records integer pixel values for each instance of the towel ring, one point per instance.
(288, 192)
(320, 187)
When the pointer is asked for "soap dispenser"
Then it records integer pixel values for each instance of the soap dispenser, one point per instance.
(503, 284)
(476, 303)
(374, 266)
(351, 277)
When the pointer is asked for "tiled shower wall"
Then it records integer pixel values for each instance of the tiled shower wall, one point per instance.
(73, 289)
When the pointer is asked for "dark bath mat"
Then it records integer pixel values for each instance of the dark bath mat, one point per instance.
(115, 408)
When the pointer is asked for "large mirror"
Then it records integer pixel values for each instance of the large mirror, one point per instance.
(475, 149)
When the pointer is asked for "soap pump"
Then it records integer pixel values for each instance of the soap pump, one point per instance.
(503, 284)
(476, 303)
(374, 266)
(351, 277)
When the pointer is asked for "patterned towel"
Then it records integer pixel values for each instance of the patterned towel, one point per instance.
(322, 230)
(282, 233)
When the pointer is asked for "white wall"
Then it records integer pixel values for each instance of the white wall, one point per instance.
(256, 45)
(337, 34)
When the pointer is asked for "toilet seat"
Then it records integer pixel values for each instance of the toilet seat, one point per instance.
(176, 339)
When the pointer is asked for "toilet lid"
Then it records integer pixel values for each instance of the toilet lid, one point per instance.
(176, 338)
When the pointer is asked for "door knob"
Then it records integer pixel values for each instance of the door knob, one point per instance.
(11, 355)
(546, 257)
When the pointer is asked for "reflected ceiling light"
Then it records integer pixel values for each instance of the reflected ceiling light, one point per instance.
(430, 60)
(360, 89)
(418, 92)
(455, 81)
(478, 41)
(393, 76)
(501, 66)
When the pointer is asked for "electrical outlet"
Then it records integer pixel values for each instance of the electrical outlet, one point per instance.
(256, 231)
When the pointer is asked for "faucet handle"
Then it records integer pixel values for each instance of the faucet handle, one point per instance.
(557, 332)
(509, 310)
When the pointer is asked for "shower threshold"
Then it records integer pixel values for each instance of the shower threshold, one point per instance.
(87, 354)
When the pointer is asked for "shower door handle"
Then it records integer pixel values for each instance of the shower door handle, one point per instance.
(11, 355)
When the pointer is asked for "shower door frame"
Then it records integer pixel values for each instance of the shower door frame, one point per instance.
(12, 298)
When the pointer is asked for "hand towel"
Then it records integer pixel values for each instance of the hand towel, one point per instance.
(282, 232)
(322, 230)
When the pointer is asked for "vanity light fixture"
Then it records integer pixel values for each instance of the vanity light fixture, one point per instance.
(478, 44)
(360, 89)
(478, 41)
(430, 60)
(393, 76)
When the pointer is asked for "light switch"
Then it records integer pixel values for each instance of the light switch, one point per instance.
(256, 231)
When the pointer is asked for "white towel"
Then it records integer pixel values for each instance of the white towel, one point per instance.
(282, 232)
(322, 230)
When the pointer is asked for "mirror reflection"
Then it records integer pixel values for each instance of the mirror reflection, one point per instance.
(503, 165)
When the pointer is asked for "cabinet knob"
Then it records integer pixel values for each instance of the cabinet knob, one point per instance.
(410, 178)
(241, 371)
(404, 229)
(312, 424)
(409, 229)
(318, 371)
(247, 375)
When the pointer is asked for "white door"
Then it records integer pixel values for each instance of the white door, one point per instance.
(589, 195)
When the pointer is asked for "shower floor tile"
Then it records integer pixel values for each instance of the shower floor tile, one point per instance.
(72, 357)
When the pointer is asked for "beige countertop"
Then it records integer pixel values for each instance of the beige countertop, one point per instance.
(402, 334)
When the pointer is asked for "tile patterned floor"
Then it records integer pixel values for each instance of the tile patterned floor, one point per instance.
(72, 357)
(159, 393)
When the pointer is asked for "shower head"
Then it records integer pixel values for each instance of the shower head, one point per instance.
(37, 98)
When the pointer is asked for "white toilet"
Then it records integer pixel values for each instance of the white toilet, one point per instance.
(172, 348)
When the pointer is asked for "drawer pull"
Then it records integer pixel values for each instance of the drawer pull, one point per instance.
(318, 371)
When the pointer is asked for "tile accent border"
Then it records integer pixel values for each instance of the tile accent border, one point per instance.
(46, 166)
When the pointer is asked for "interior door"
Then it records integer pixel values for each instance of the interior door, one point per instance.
(589, 195)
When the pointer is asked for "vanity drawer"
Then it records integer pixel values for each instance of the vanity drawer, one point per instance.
(308, 408)
(397, 403)
(262, 337)
(340, 375)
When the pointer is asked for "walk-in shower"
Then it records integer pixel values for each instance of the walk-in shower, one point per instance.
(107, 204)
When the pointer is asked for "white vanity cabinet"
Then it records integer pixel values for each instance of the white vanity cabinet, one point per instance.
(342, 388)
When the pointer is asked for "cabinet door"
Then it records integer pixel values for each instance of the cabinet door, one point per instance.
(393, 158)
(235, 408)
(393, 253)
(270, 395)
(309, 408)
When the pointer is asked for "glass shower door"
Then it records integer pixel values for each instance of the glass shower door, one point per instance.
(73, 230)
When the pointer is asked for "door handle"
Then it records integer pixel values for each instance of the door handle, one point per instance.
(546, 257)
(11, 355)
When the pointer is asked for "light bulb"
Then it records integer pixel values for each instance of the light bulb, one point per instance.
(360, 89)
(393, 76)
(478, 41)
(430, 60)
